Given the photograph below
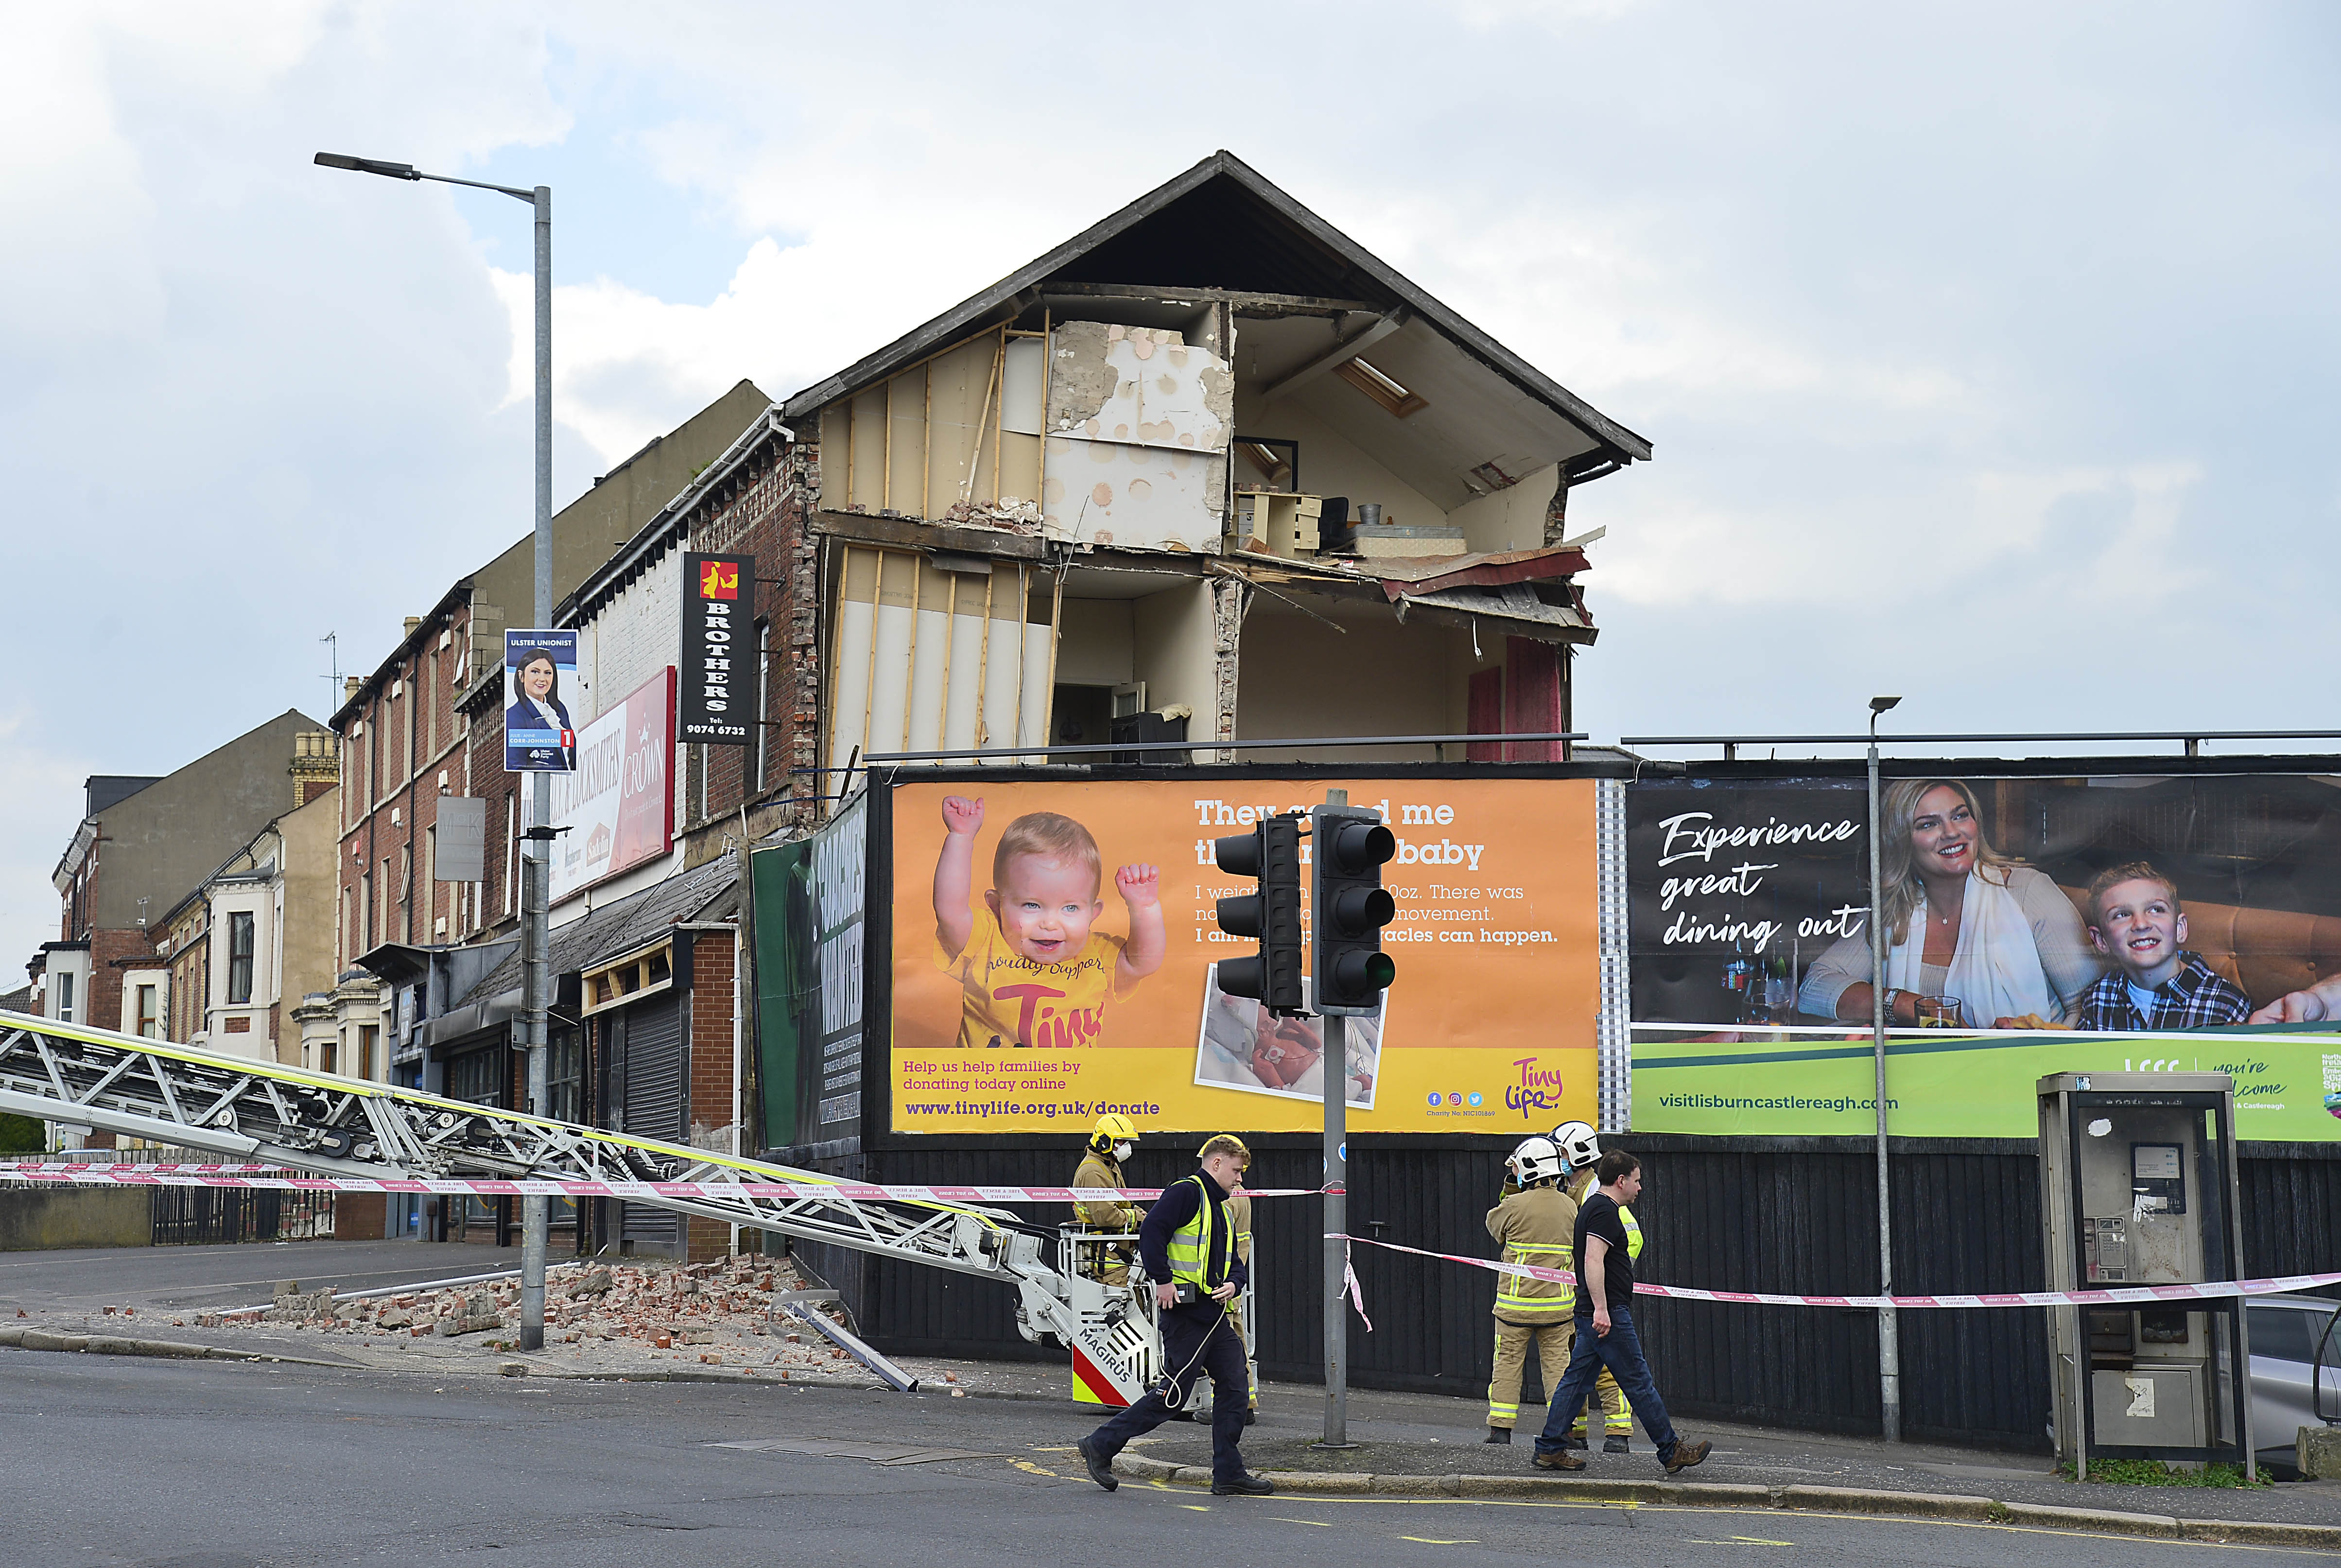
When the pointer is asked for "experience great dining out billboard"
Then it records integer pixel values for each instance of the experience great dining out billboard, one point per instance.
(2034, 924)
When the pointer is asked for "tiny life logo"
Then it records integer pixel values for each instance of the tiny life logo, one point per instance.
(1538, 1090)
(719, 579)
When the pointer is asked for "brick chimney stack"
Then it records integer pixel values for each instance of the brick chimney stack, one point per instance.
(316, 766)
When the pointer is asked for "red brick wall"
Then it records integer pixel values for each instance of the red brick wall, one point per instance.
(103, 1009)
(409, 741)
(764, 509)
(711, 1045)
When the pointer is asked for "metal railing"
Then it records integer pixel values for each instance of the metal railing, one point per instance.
(1205, 744)
(2192, 738)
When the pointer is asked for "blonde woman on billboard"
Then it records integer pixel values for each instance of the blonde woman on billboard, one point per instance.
(1967, 925)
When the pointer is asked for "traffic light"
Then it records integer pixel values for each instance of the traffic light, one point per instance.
(1271, 852)
(1350, 907)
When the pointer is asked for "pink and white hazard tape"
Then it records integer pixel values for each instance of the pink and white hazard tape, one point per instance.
(2112, 1296)
(265, 1176)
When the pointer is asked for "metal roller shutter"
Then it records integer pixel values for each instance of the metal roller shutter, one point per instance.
(652, 1104)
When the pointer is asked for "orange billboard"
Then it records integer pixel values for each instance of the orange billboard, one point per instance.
(1054, 945)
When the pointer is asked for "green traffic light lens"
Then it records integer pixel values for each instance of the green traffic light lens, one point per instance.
(1381, 970)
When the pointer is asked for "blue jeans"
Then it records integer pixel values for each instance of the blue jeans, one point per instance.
(1621, 1351)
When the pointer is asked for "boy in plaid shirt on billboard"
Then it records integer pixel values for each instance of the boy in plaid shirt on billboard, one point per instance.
(2134, 919)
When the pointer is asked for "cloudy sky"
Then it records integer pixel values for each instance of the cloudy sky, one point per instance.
(1989, 351)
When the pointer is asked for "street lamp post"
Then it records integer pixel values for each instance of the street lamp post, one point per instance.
(536, 942)
(1890, 1346)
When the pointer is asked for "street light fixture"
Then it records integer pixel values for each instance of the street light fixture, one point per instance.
(1889, 1348)
(536, 990)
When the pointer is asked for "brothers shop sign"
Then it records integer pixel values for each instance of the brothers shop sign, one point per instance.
(720, 704)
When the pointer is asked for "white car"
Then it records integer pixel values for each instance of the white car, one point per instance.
(2290, 1389)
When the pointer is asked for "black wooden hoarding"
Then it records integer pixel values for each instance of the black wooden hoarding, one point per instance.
(1790, 1215)
(716, 700)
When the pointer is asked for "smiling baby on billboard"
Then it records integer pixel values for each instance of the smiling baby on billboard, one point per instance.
(1032, 968)
(1050, 944)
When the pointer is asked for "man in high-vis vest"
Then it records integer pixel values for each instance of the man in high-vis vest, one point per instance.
(1187, 1246)
(1110, 1142)
(1533, 1226)
(1580, 1149)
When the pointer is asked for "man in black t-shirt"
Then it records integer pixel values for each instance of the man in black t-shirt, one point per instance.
(1605, 1328)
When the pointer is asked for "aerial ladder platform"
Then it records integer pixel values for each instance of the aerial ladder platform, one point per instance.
(267, 1114)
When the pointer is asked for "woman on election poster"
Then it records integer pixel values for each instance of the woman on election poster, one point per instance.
(537, 706)
(1977, 938)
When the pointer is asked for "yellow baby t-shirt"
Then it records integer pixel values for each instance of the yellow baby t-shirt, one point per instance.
(1011, 1000)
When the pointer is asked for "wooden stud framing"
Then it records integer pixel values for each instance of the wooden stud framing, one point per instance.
(1023, 624)
(870, 680)
(837, 643)
(886, 480)
(927, 443)
(951, 645)
(911, 677)
(984, 661)
(1056, 635)
(999, 423)
(975, 463)
(1047, 366)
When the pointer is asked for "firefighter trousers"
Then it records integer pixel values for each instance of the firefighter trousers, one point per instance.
(1552, 1345)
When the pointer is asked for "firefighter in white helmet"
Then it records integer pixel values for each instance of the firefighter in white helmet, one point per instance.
(1111, 1142)
(1580, 1148)
(1536, 1226)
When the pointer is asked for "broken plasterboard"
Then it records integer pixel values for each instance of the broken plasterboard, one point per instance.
(1135, 497)
(1141, 386)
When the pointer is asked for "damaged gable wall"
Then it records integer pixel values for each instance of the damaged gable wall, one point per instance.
(1096, 432)
(1138, 423)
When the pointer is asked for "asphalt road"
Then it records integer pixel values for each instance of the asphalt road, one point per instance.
(215, 1278)
(160, 1463)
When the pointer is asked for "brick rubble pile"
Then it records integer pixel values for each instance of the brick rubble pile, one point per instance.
(726, 1313)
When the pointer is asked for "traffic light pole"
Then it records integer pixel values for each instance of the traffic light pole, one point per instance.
(1349, 972)
(1334, 1063)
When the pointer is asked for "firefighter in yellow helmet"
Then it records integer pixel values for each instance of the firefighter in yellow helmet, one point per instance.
(1110, 1142)
(1240, 1221)
(1534, 1224)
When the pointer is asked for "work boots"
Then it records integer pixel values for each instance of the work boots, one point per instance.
(1497, 1434)
(1687, 1455)
(1100, 1468)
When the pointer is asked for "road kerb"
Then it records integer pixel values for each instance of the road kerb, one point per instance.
(1715, 1494)
(42, 1339)
(1419, 1485)
(2258, 1532)
(1856, 1500)
(1342, 1484)
(2106, 1520)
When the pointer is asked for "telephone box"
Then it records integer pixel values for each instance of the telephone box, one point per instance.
(2137, 1188)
